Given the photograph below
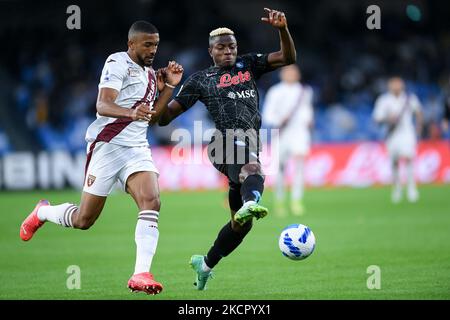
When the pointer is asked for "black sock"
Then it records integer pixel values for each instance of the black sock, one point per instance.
(252, 188)
(227, 240)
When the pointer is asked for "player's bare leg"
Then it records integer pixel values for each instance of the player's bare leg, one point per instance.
(280, 209)
(66, 214)
(396, 195)
(90, 208)
(297, 207)
(412, 193)
(143, 187)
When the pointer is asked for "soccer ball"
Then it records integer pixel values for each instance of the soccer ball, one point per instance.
(297, 242)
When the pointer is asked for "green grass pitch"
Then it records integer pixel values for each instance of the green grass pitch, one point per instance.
(354, 229)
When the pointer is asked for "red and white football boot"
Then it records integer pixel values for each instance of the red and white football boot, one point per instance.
(32, 223)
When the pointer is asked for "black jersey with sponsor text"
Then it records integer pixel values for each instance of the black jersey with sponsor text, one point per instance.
(229, 94)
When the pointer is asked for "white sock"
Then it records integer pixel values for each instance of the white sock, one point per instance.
(60, 214)
(298, 183)
(410, 176)
(396, 181)
(249, 203)
(205, 266)
(146, 238)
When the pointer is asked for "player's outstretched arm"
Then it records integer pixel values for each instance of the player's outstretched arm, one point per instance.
(168, 79)
(173, 110)
(106, 107)
(287, 54)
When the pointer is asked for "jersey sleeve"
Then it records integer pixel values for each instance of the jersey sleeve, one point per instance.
(189, 93)
(415, 103)
(309, 114)
(259, 63)
(310, 96)
(270, 116)
(379, 112)
(113, 74)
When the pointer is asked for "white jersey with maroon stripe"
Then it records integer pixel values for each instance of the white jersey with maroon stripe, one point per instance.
(135, 85)
(402, 140)
(292, 102)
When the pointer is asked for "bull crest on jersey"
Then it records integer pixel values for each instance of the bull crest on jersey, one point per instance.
(90, 180)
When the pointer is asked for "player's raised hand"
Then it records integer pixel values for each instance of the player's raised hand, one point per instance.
(141, 112)
(275, 18)
(173, 73)
(161, 78)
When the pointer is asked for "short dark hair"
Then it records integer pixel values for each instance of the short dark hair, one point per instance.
(141, 26)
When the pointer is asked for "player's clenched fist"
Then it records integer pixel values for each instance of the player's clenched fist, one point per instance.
(141, 112)
(275, 18)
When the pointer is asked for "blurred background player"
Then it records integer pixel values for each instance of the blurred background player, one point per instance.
(288, 107)
(396, 109)
(118, 149)
(228, 90)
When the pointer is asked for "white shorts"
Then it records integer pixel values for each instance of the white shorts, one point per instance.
(401, 147)
(109, 163)
(293, 146)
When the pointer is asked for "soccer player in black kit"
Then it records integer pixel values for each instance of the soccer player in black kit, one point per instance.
(229, 92)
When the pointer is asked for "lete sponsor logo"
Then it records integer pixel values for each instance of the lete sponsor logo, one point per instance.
(226, 80)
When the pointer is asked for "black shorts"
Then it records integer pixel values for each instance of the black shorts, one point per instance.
(228, 155)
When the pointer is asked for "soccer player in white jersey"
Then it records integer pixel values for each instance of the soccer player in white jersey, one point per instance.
(288, 106)
(396, 110)
(130, 93)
